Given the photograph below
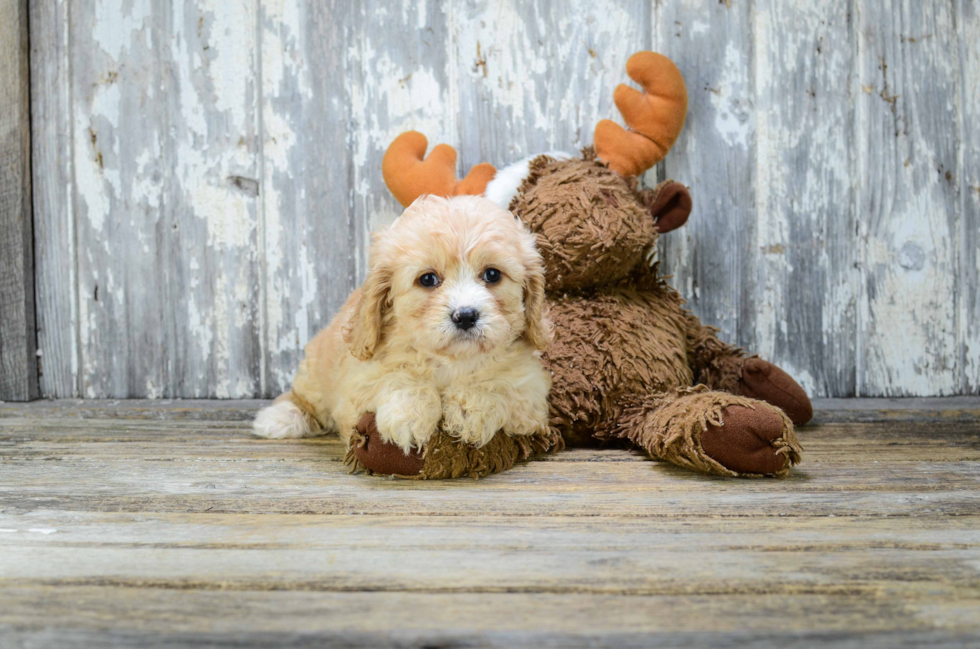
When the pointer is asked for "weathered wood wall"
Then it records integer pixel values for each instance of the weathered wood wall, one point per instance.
(18, 336)
(206, 172)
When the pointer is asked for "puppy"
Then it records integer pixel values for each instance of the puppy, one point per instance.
(448, 328)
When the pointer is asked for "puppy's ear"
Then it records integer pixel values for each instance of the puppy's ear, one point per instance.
(363, 330)
(537, 327)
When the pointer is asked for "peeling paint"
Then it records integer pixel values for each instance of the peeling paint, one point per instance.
(117, 22)
(225, 172)
(734, 113)
(908, 315)
(968, 160)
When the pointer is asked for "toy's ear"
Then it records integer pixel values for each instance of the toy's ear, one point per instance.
(669, 204)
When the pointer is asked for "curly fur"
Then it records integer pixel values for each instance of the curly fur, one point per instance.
(393, 349)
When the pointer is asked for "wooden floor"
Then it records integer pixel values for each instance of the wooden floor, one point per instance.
(164, 525)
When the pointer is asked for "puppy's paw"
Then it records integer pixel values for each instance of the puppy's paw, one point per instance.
(518, 426)
(285, 420)
(473, 417)
(528, 416)
(408, 418)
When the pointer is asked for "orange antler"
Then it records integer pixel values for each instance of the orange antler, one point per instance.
(408, 176)
(655, 117)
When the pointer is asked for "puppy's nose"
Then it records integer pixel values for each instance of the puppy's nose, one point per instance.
(465, 317)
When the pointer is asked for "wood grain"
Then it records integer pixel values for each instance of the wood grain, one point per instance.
(161, 207)
(311, 242)
(18, 338)
(211, 205)
(167, 618)
(806, 305)
(715, 256)
(831, 149)
(537, 77)
(119, 203)
(555, 555)
(158, 464)
(157, 526)
(968, 279)
(907, 157)
(55, 258)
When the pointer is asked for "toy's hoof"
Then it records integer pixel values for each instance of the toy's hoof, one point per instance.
(377, 455)
(766, 382)
(745, 443)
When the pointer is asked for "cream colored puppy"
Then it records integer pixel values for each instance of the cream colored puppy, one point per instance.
(447, 327)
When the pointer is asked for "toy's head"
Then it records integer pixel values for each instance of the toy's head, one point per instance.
(593, 225)
(593, 222)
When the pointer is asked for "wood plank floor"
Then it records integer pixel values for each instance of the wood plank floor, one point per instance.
(164, 524)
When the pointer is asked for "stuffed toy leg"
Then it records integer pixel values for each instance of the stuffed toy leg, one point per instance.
(712, 432)
(723, 367)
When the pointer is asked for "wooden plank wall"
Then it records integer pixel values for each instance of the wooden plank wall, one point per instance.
(206, 173)
(18, 338)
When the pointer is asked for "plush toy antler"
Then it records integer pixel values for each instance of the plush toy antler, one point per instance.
(408, 176)
(655, 117)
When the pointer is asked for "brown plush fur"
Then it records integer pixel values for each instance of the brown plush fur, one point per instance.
(582, 211)
(445, 457)
(669, 425)
(626, 348)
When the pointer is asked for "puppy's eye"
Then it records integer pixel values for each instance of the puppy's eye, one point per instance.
(491, 276)
(429, 280)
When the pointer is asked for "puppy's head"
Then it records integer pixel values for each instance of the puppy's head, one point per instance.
(452, 277)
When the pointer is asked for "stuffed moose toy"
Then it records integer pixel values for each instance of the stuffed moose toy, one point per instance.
(629, 363)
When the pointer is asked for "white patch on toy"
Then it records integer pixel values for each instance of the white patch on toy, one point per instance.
(503, 188)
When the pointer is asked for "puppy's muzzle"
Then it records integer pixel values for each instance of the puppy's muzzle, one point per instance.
(465, 318)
